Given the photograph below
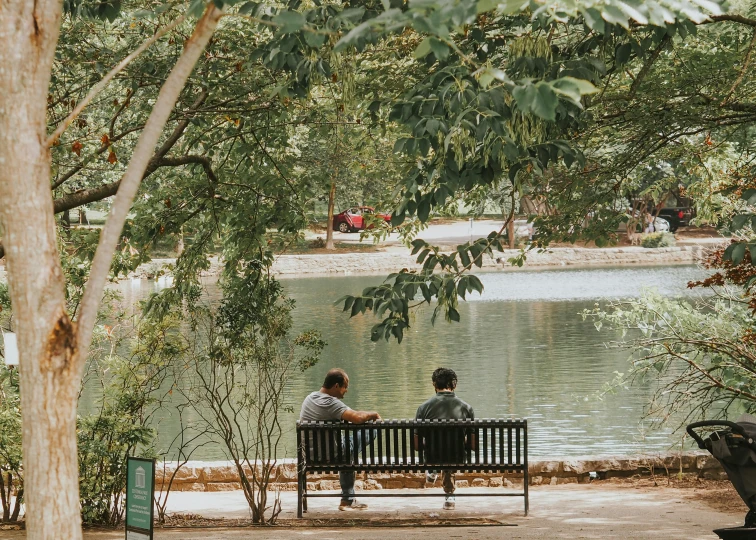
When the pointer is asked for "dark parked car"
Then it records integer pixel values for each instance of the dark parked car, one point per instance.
(354, 219)
(677, 217)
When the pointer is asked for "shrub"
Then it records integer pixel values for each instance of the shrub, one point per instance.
(318, 243)
(11, 470)
(658, 239)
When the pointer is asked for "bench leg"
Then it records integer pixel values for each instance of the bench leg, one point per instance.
(299, 497)
(301, 494)
(526, 481)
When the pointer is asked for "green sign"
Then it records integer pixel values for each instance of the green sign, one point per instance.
(140, 491)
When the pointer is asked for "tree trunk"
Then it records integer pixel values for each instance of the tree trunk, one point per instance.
(52, 348)
(17, 504)
(5, 501)
(46, 337)
(66, 220)
(511, 233)
(329, 231)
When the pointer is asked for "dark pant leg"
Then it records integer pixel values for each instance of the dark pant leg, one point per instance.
(447, 477)
(347, 478)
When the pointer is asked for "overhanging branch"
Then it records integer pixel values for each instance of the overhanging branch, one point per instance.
(129, 185)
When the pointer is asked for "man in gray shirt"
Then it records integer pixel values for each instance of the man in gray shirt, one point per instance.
(325, 405)
(445, 405)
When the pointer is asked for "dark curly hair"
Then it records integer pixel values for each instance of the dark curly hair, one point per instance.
(444, 379)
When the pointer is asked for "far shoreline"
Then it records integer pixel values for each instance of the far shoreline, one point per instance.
(385, 262)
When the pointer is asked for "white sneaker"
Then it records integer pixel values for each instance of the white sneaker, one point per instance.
(352, 505)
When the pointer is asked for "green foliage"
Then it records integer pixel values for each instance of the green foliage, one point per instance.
(658, 240)
(699, 355)
(11, 468)
(743, 225)
(243, 360)
(121, 424)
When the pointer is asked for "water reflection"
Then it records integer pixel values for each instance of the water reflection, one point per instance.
(521, 350)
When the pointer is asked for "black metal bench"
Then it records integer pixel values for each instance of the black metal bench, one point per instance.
(501, 446)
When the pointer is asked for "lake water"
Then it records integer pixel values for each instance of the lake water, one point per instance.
(520, 350)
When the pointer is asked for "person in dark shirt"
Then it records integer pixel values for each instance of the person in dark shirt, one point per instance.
(445, 405)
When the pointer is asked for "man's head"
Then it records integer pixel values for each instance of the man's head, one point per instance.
(336, 383)
(444, 379)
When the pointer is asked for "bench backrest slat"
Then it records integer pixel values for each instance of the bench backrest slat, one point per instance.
(443, 444)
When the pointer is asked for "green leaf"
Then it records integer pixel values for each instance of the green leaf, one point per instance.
(524, 96)
(423, 210)
(314, 40)
(593, 19)
(540, 99)
(486, 5)
(290, 21)
(418, 244)
(738, 253)
(377, 332)
(631, 11)
(573, 88)
(462, 289)
(463, 256)
(739, 221)
(397, 219)
(750, 196)
(622, 53)
(476, 284)
(348, 301)
(439, 48)
(357, 306)
(545, 102)
(453, 314)
(509, 7)
(248, 8)
(614, 15)
(426, 292)
(423, 49)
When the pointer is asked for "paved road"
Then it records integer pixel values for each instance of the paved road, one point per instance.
(597, 511)
(459, 232)
(454, 233)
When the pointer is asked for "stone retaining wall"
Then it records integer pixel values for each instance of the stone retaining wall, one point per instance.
(381, 262)
(222, 475)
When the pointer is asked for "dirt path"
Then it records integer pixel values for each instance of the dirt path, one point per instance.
(603, 510)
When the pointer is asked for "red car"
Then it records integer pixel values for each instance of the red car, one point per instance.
(353, 220)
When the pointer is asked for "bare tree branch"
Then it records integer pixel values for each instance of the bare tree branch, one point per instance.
(96, 89)
(189, 159)
(731, 18)
(131, 180)
(87, 196)
(647, 65)
(746, 62)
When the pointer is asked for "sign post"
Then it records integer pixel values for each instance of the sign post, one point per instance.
(11, 349)
(140, 494)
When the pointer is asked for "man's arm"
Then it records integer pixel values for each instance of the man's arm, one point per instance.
(360, 417)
